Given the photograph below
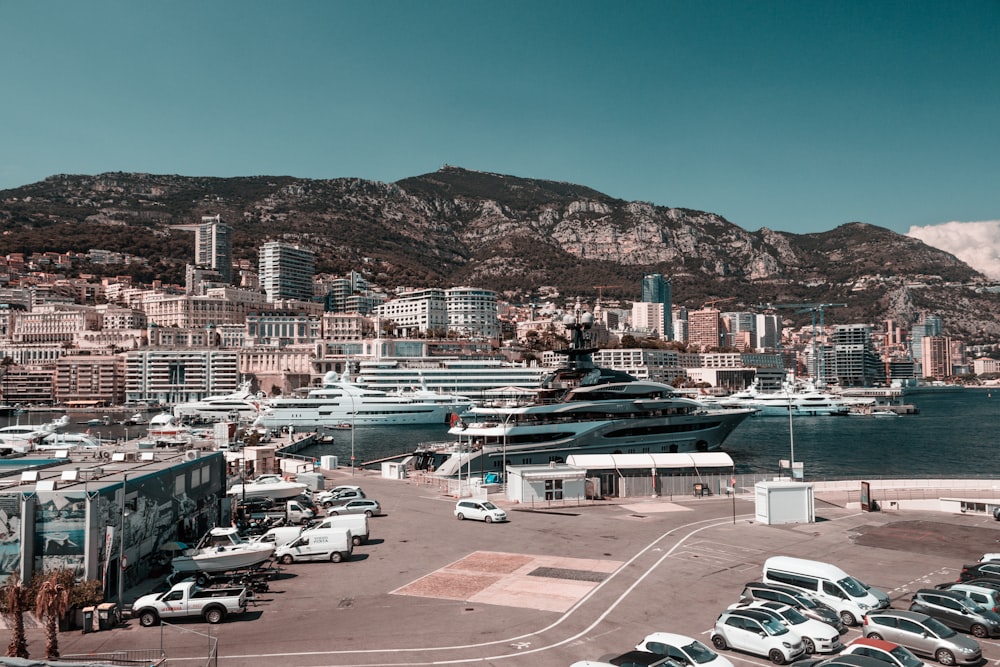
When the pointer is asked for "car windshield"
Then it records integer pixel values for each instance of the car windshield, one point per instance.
(805, 601)
(699, 652)
(939, 628)
(489, 506)
(905, 657)
(793, 616)
(853, 587)
(774, 627)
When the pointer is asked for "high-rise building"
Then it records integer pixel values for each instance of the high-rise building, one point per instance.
(213, 245)
(936, 356)
(704, 328)
(768, 330)
(286, 271)
(656, 289)
(929, 325)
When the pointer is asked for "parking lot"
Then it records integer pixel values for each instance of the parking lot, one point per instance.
(549, 587)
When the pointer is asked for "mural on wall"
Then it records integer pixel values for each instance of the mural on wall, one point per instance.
(60, 531)
(10, 536)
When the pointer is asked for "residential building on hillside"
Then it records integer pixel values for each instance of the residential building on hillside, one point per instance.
(178, 375)
(657, 289)
(472, 313)
(935, 356)
(281, 329)
(704, 328)
(213, 245)
(286, 271)
(54, 324)
(647, 319)
(415, 312)
(227, 305)
(83, 380)
(855, 363)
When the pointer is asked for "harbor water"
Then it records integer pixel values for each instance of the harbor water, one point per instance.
(955, 434)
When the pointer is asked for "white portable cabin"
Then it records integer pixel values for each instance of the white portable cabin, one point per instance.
(781, 502)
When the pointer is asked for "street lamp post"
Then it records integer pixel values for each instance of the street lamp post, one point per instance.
(121, 547)
(354, 416)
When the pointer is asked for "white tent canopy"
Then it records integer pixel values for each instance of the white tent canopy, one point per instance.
(639, 461)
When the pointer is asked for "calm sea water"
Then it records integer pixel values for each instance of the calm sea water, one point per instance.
(957, 433)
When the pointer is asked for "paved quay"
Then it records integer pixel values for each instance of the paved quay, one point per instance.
(550, 587)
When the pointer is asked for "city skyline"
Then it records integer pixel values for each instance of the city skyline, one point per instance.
(784, 115)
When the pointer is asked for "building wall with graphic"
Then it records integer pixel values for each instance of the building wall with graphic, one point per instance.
(81, 527)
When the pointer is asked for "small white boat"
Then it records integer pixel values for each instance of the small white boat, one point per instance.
(23, 438)
(67, 441)
(220, 550)
(267, 486)
(165, 425)
(137, 418)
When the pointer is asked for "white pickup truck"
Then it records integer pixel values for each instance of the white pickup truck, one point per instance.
(188, 599)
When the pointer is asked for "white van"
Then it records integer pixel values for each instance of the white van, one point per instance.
(280, 535)
(332, 544)
(356, 523)
(834, 587)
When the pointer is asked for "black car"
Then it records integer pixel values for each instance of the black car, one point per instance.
(956, 611)
(640, 659)
(807, 604)
(987, 570)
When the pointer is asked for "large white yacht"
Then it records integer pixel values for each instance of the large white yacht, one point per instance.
(479, 379)
(580, 409)
(240, 406)
(798, 398)
(342, 401)
(22, 438)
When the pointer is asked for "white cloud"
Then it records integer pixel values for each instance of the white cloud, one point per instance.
(975, 243)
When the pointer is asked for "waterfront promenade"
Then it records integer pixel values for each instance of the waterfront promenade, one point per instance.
(553, 586)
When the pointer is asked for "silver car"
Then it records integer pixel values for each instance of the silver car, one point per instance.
(923, 635)
(366, 506)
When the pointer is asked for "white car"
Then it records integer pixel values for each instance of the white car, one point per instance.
(684, 650)
(817, 637)
(757, 632)
(480, 510)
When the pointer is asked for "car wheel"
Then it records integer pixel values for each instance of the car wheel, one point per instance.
(488, 519)
(460, 516)
(334, 513)
(369, 513)
(810, 646)
(336, 557)
(848, 618)
(719, 642)
(776, 656)
(873, 635)
(287, 559)
(944, 656)
(214, 615)
(979, 631)
(148, 619)
(327, 505)
(356, 540)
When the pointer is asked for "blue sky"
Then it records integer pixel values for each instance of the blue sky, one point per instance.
(797, 116)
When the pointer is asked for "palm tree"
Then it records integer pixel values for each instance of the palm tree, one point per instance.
(12, 598)
(51, 604)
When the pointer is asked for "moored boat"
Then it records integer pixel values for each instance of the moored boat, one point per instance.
(580, 409)
(267, 486)
(220, 550)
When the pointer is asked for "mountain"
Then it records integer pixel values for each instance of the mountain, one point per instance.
(509, 234)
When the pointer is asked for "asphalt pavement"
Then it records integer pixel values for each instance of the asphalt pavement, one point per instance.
(551, 587)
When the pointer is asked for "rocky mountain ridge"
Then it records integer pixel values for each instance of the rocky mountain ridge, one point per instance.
(506, 233)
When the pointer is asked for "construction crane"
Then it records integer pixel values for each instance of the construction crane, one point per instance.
(813, 308)
(712, 302)
(600, 290)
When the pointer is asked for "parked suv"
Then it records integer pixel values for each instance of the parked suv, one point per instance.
(957, 611)
(804, 602)
(986, 596)
(923, 635)
(480, 510)
(989, 569)
(757, 632)
(817, 637)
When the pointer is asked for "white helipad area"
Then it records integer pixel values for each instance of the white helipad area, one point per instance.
(546, 583)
